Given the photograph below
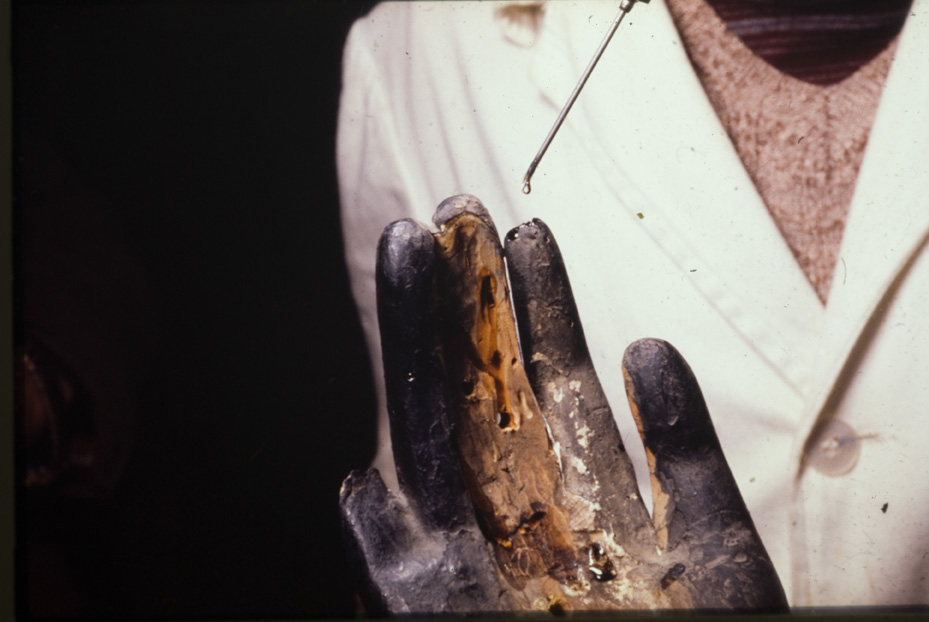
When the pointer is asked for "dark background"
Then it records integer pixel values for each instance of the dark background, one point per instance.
(176, 223)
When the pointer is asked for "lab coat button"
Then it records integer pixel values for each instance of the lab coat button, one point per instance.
(833, 448)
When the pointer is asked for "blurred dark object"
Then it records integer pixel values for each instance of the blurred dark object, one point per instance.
(179, 268)
(58, 434)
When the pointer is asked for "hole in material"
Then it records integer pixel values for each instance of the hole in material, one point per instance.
(503, 419)
(487, 291)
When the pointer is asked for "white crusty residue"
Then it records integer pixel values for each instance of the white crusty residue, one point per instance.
(555, 391)
(578, 465)
(583, 436)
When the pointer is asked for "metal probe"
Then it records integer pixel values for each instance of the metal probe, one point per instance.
(624, 7)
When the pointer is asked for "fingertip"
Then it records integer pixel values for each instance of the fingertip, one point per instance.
(646, 355)
(529, 232)
(666, 399)
(404, 248)
(529, 243)
(459, 204)
(359, 492)
(360, 480)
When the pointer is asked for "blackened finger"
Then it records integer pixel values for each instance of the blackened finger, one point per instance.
(377, 532)
(417, 402)
(698, 507)
(595, 465)
(401, 569)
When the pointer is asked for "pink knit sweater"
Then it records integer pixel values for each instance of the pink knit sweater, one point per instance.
(802, 143)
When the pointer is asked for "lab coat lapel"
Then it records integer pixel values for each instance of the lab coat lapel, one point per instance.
(650, 130)
(889, 217)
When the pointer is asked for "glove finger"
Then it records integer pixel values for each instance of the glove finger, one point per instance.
(595, 465)
(378, 532)
(402, 569)
(507, 459)
(697, 501)
(420, 420)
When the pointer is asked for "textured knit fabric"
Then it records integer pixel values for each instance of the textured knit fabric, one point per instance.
(801, 143)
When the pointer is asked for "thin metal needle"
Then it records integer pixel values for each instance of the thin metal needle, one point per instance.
(624, 8)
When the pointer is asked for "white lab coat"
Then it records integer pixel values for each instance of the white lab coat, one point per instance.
(664, 235)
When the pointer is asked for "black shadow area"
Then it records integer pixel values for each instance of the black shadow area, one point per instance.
(178, 256)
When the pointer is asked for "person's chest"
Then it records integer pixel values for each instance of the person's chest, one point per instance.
(665, 236)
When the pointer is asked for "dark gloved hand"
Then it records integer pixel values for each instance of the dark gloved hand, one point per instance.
(516, 493)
